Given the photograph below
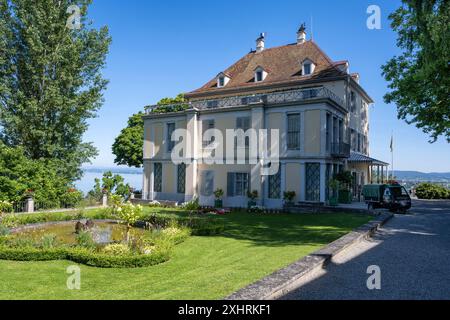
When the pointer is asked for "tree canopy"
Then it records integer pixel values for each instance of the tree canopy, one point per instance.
(420, 76)
(128, 146)
(20, 175)
(50, 81)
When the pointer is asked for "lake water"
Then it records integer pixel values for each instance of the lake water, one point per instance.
(87, 183)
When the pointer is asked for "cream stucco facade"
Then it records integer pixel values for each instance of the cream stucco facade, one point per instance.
(328, 120)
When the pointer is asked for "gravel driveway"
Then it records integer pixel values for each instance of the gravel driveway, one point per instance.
(412, 251)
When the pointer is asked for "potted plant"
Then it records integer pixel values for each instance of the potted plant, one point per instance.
(334, 187)
(219, 202)
(252, 196)
(289, 197)
(29, 194)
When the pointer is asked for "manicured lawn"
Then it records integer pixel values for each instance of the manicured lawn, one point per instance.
(201, 268)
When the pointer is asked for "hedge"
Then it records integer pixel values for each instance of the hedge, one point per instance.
(83, 256)
(429, 191)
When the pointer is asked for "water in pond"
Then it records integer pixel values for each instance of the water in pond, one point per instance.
(102, 232)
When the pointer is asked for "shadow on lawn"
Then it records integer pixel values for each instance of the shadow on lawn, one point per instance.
(285, 229)
(282, 230)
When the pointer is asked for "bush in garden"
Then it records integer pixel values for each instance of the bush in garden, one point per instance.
(84, 239)
(111, 185)
(117, 249)
(4, 231)
(429, 191)
(115, 202)
(129, 214)
(48, 241)
(176, 234)
(71, 199)
(5, 207)
(193, 205)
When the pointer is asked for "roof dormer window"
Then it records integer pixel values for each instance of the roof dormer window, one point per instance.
(222, 80)
(308, 67)
(260, 74)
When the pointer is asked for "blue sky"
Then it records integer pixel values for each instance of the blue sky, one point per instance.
(162, 48)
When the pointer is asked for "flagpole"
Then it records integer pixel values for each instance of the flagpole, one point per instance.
(392, 155)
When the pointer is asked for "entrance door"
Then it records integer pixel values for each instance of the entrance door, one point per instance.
(355, 185)
(313, 182)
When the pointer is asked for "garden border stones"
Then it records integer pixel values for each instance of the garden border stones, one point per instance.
(286, 280)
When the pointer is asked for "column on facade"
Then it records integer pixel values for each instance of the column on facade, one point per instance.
(256, 179)
(303, 182)
(149, 153)
(192, 155)
(146, 182)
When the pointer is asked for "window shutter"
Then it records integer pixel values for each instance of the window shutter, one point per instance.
(230, 185)
(207, 183)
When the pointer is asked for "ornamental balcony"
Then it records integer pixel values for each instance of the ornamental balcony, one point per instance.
(340, 150)
(275, 98)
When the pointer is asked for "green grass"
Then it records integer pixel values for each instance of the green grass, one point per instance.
(201, 268)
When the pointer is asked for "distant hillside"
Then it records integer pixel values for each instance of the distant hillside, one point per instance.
(415, 175)
(401, 175)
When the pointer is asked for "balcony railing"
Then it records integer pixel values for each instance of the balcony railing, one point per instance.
(340, 150)
(290, 96)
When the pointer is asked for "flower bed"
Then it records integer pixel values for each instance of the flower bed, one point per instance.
(135, 248)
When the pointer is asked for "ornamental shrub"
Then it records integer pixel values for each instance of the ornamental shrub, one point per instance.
(117, 249)
(429, 191)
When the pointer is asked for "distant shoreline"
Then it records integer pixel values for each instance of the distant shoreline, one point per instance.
(116, 170)
(401, 175)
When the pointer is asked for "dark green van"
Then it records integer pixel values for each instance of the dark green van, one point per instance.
(393, 197)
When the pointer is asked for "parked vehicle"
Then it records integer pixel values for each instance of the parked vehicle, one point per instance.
(387, 196)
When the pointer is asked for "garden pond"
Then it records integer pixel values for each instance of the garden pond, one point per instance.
(103, 232)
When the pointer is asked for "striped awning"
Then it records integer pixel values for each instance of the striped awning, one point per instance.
(356, 157)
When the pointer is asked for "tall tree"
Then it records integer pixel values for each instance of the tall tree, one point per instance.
(128, 146)
(420, 76)
(50, 79)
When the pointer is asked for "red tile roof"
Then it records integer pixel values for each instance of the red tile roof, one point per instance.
(283, 65)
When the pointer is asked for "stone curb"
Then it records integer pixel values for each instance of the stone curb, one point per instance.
(286, 280)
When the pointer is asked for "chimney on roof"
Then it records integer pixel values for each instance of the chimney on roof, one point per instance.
(301, 34)
(260, 42)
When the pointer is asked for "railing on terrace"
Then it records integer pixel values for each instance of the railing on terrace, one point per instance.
(42, 206)
(289, 96)
(340, 150)
(28, 207)
(18, 207)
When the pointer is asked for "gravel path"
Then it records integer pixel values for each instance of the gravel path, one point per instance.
(412, 251)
